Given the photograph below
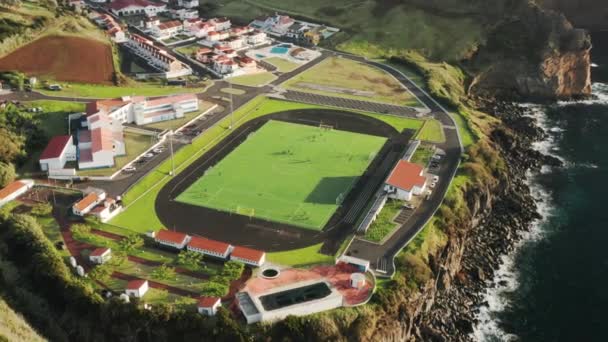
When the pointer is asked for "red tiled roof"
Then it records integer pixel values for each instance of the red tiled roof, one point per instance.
(247, 253)
(54, 148)
(406, 175)
(101, 139)
(86, 201)
(169, 24)
(99, 251)
(207, 302)
(170, 236)
(209, 245)
(136, 284)
(120, 4)
(10, 189)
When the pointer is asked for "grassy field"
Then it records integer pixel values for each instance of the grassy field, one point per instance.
(300, 257)
(176, 123)
(135, 144)
(96, 91)
(423, 155)
(13, 327)
(384, 225)
(188, 50)
(431, 131)
(282, 64)
(342, 77)
(253, 80)
(140, 198)
(295, 173)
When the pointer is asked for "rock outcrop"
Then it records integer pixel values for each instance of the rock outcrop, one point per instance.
(534, 54)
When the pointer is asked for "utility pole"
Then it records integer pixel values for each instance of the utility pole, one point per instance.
(172, 172)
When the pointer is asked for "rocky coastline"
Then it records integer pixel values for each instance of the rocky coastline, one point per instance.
(499, 217)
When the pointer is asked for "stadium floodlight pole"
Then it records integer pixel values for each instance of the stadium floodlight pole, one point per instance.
(172, 172)
(231, 107)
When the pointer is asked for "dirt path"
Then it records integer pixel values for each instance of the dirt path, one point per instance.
(156, 285)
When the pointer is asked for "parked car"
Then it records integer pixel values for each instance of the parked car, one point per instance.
(129, 169)
(148, 155)
(433, 185)
(191, 126)
(409, 206)
(158, 150)
(54, 87)
(435, 179)
(437, 157)
(178, 133)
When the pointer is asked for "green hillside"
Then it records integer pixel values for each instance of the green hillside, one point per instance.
(13, 327)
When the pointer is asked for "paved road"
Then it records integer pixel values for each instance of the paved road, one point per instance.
(382, 256)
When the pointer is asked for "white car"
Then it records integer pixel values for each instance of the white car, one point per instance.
(435, 179)
(148, 155)
(129, 169)
(437, 157)
(158, 150)
(433, 185)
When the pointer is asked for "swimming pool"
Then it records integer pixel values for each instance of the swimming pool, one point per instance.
(259, 56)
(279, 50)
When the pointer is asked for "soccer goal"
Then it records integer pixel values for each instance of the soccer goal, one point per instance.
(245, 211)
(326, 127)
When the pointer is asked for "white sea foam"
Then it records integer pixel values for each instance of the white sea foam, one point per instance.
(505, 279)
(593, 65)
(599, 96)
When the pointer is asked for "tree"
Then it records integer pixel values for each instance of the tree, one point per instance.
(232, 270)
(7, 173)
(11, 145)
(190, 258)
(118, 258)
(42, 209)
(213, 289)
(101, 273)
(81, 231)
(131, 243)
(163, 272)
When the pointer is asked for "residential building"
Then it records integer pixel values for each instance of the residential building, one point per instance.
(87, 203)
(57, 152)
(150, 23)
(172, 239)
(248, 256)
(209, 247)
(208, 305)
(14, 190)
(221, 24)
(245, 62)
(136, 7)
(256, 37)
(155, 56)
(201, 29)
(167, 29)
(184, 13)
(188, 3)
(213, 36)
(106, 210)
(234, 42)
(100, 255)
(137, 288)
(406, 179)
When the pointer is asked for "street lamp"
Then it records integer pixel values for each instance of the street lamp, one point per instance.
(231, 107)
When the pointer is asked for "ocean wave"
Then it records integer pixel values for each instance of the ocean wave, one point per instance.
(505, 280)
(599, 93)
(593, 65)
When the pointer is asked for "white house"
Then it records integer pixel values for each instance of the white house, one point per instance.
(57, 152)
(172, 239)
(137, 288)
(256, 37)
(100, 255)
(106, 210)
(14, 190)
(406, 179)
(155, 56)
(136, 7)
(248, 256)
(221, 24)
(208, 305)
(209, 247)
(188, 3)
(167, 29)
(89, 201)
(184, 13)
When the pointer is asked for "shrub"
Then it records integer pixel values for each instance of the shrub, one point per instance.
(163, 272)
(42, 209)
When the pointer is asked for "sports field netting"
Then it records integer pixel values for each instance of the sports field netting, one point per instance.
(286, 172)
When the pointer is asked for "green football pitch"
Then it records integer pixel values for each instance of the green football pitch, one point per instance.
(286, 172)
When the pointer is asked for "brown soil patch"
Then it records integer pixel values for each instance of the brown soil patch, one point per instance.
(63, 58)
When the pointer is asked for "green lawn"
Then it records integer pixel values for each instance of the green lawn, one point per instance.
(140, 217)
(282, 64)
(300, 257)
(135, 144)
(253, 80)
(431, 131)
(176, 123)
(342, 77)
(96, 91)
(294, 174)
(422, 155)
(384, 225)
(188, 50)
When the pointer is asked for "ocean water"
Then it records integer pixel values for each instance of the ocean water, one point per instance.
(555, 286)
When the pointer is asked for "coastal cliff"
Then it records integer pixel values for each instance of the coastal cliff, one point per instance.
(534, 54)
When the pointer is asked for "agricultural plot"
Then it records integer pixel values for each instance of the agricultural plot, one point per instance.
(288, 173)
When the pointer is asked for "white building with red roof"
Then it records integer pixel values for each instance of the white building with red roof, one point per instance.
(209, 247)
(14, 190)
(137, 288)
(136, 7)
(105, 210)
(172, 239)
(405, 180)
(221, 24)
(208, 305)
(100, 255)
(167, 29)
(57, 152)
(188, 3)
(156, 57)
(248, 256)
(88, 202)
